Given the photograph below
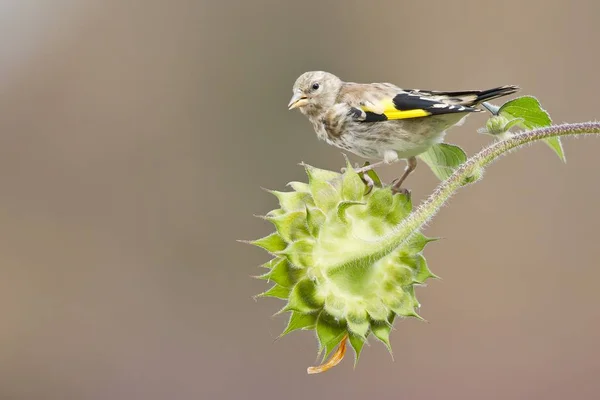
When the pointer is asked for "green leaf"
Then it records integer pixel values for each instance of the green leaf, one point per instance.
(322, 186)
(403, 304)
(293, 201)
(276, 291)
(325, 195)
(300, 253)
(416, 243)
(271, 263)
(343, 206)
(291, 226)
(377, 310)
(419, 265)
(357, 343)
(273, 213)
(401, 207)
(555, 144)
(271, 243)
(329, 332)
(299, 186)
(412, 304)
(534, 116)
(443, 159)
(314, 219)
(381, 330)
(303, 298)
(321, 174)
(358, 324)
(353, 187)
(283, 274)
(300, 321)
(380, 203)
(528, 108)
(402, 274)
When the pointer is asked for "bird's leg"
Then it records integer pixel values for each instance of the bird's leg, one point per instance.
(389, 157)
(410, 167)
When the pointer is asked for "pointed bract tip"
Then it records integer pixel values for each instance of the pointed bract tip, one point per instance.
(284, 309)
(265, 277)
(349, 166)
(435, 239)
(417, 316)
(280, 312)
(305, 165)
(434, 276)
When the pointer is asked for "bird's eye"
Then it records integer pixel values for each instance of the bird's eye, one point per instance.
(316, 86)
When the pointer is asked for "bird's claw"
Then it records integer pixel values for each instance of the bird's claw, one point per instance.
(397, 189)
(368, 181)
(402, 191)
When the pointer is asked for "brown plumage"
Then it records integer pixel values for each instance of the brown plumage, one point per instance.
(380, 120)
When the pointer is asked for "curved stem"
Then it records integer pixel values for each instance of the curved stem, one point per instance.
(474, 165)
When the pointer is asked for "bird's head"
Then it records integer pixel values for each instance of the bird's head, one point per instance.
(314, 91)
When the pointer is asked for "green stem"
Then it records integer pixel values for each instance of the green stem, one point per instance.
(475, 164)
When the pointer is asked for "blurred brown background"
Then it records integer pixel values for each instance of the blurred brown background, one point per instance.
(135, 136)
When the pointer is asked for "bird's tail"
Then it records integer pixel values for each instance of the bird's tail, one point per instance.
(472, 98)
(490, 94)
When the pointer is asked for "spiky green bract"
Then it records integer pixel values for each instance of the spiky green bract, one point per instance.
(335, 263)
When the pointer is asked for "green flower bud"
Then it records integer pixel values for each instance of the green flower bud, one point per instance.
(333, 266)
(496, 125)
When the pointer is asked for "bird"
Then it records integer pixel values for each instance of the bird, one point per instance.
(381, 121)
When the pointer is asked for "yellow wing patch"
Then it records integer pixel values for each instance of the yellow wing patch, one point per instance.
(397, 114)
(387, 108)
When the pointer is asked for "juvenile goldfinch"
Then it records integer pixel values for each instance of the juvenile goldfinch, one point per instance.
(380, 120)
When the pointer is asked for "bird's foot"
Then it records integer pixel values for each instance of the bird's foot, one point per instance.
(397, 189)
(402, 191)
(367, 168)
(364, 176)
(368, 181)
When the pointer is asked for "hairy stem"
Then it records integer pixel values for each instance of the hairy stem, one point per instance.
(475, 164)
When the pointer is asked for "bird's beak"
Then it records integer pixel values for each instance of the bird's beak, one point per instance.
(298, 100)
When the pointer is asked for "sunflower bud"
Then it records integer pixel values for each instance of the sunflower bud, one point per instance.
(333, 265)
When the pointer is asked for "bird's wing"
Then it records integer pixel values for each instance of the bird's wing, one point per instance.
(469, 97)
(384, 101)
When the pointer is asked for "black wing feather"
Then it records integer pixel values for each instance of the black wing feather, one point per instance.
(415, 100)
